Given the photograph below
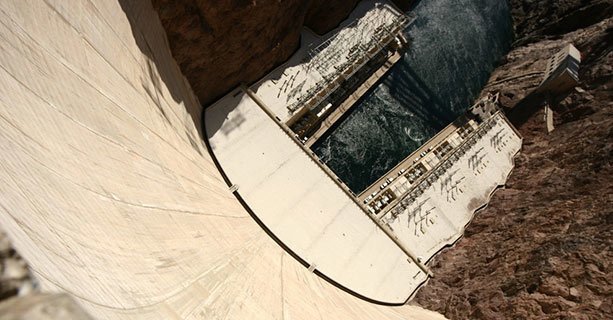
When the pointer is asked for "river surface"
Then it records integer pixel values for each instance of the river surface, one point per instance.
(455, 45)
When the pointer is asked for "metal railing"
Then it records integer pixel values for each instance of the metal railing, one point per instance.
(340, 56)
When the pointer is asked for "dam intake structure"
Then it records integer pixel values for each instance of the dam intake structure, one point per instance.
(345, 65)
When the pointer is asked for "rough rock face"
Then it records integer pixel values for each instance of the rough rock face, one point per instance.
(542, 249)
(220, 44)
(535, 20)
(324, 15)
(14, 274)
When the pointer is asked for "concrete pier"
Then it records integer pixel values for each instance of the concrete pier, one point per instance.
(346, 105)
(414, 158)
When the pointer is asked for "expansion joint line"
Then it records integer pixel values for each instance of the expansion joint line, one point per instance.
(302, 147)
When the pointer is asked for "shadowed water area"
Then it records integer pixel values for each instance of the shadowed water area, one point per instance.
(454, 48)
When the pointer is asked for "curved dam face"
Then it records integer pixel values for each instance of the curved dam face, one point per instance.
(108, 191)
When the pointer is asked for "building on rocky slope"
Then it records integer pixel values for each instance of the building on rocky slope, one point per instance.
(562, 73)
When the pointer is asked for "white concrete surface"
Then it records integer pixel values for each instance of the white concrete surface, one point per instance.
(302, 206)
(109, 194)
(437, 216)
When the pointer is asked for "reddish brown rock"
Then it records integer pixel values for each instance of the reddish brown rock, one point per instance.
(15, 277)
(219, 44)
(325, 15)
(542, 248)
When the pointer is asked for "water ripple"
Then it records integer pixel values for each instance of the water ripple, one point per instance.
(455, 45)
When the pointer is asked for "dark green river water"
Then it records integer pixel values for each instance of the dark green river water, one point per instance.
(455, 45)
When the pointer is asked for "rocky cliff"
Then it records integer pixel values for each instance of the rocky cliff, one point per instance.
(542, 249)
(537, 20)
(220, 44)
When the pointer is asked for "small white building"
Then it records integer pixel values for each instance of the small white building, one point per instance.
(562, 73)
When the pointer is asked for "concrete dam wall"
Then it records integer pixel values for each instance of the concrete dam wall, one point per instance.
(108, 191)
